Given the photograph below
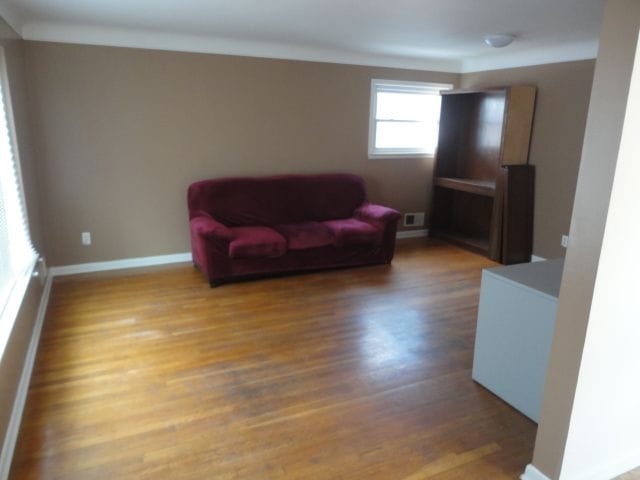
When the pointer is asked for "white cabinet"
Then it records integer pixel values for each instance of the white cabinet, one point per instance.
(516, 320)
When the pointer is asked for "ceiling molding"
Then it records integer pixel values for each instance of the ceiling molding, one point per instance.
(133, 38)
(11, 17)
(514, 59)
(119, 37)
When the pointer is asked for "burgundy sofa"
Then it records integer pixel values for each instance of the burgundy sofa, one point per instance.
(256, 226)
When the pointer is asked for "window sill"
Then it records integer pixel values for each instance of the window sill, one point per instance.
(10, 313)
(418, 156)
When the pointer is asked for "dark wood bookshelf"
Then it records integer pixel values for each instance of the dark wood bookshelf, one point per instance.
(469, 185)
(478, 244)
(483, 186)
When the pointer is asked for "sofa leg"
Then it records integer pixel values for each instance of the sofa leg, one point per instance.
(214, 283)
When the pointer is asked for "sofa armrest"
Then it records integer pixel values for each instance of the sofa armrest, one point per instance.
(206, 226)
(370, 211)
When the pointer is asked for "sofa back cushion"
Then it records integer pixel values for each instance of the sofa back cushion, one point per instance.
(277, 199)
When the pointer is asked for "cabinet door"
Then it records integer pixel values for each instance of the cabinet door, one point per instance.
(517, 216)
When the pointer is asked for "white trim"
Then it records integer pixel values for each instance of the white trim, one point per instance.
(532, 473)
(139, 38)
(381, 85)
(13, 427)
(412, 233)
(417, 156)
(10, 311)
(120, 264)
(11, 17)
(515, 58)
(536, 258)
(13, 137)
(162, 260)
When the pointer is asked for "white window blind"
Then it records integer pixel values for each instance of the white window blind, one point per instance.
(404, 118)
(17, 256)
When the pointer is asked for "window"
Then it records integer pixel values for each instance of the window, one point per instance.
(17, 256)
(404, 118)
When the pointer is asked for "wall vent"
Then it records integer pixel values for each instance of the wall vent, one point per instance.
(415, 219)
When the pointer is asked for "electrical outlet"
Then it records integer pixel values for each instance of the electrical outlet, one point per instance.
(86, 238)
(564, 241)
(414, 219)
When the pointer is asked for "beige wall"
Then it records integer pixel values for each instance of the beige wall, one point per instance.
(121, 133)
(611, 356)
(556, 144)
(12, 359)
(598, 165)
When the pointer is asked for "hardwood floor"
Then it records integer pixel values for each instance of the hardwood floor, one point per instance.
(352, 374)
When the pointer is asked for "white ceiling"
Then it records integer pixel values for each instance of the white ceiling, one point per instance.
(425, 34)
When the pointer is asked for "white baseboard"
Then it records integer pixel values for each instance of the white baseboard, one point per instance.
(11, 436)
(162, 260)
(412, 233)
(120, 264)
(536, 258)
(532, 473)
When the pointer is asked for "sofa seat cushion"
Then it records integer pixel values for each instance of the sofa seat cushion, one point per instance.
(351, 231)
(251, 242)
(303, 235)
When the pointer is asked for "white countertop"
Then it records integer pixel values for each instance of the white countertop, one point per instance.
(544, 277)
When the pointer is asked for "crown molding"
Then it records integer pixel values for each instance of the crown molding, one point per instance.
(156, 40)
(540, 56)
(11, 17)
(133, 38)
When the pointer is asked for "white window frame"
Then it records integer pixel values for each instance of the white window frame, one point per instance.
(378, 85)
(9, 313)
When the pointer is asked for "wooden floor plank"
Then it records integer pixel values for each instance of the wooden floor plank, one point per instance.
(352, 374)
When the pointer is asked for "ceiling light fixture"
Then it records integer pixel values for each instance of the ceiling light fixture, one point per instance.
(499, 40)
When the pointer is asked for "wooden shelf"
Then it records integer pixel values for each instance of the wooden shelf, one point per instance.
(486, 188)
(474, 243)
(483, 188)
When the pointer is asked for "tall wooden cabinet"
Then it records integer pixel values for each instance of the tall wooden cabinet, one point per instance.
(483, 185)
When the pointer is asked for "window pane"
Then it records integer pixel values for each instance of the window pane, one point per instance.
(405, 117)
(406, 135)
(407, 106)
(16, 252)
